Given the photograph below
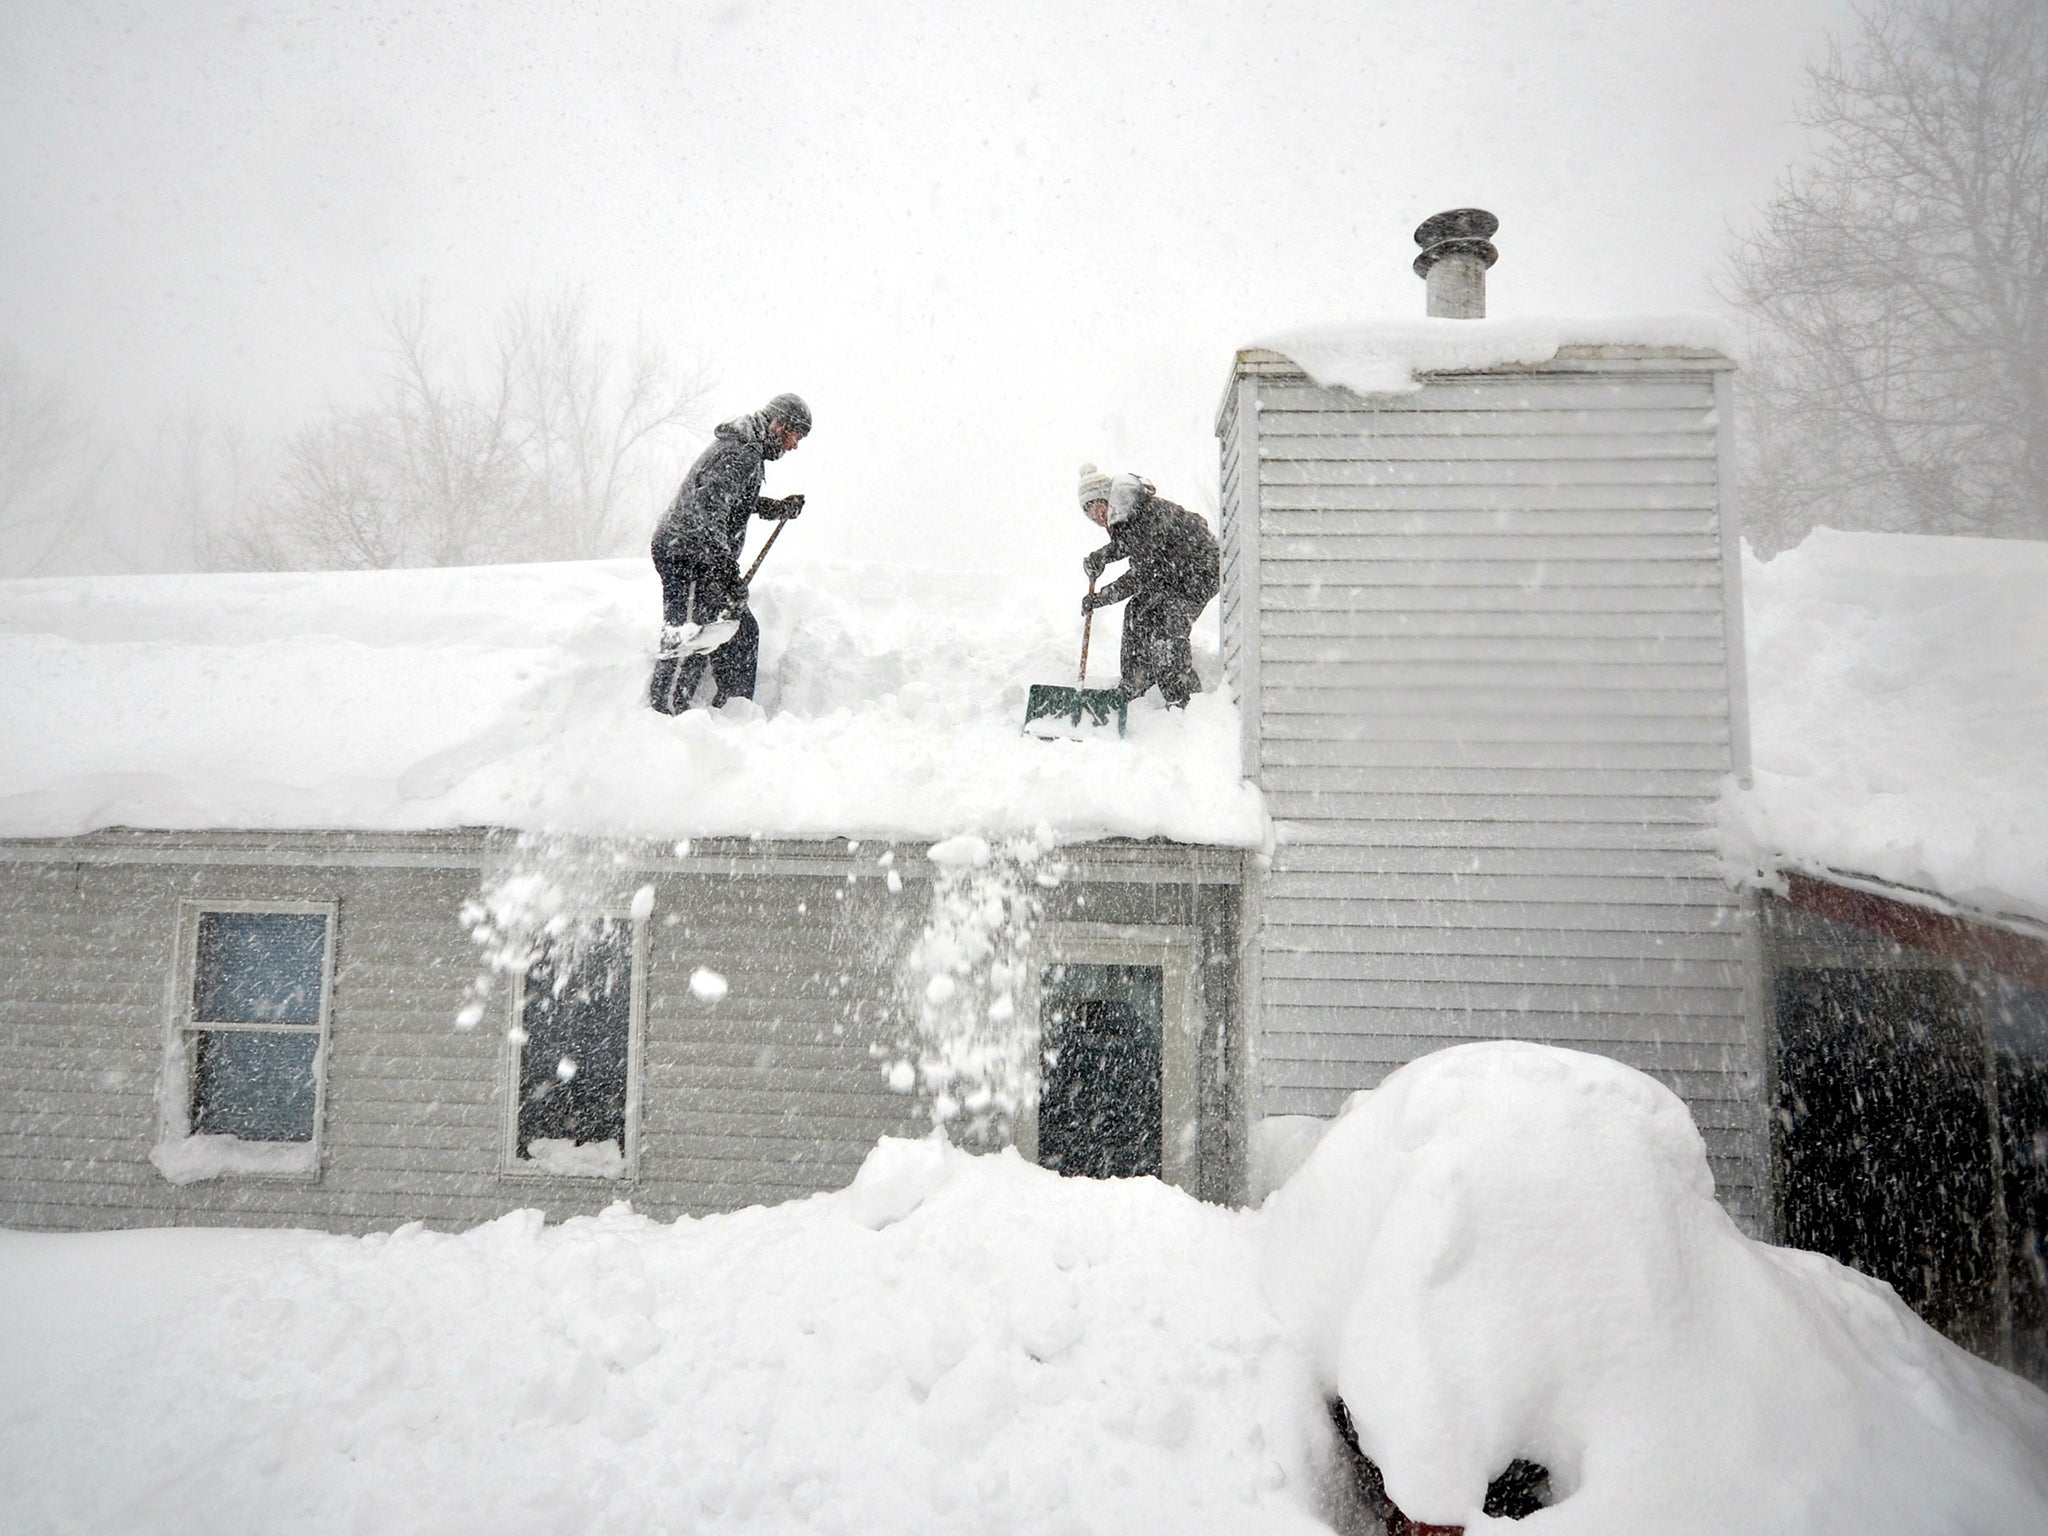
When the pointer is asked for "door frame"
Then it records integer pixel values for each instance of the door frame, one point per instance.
(1176, 951)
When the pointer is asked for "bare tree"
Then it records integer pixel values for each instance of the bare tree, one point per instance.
(542, 452)
(590, 415)
(52, 471)
(1899, 281)
(195, 492)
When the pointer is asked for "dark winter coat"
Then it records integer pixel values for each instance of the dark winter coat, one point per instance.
(706, 524)
(1172, 553)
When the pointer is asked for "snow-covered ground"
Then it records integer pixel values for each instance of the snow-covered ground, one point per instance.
(1506, 1251)
(1899, 710)
(514, 696)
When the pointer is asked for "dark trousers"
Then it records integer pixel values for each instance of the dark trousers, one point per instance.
(1155, 649)
(693, 593)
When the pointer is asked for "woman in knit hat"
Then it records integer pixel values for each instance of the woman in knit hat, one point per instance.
(1174, 572)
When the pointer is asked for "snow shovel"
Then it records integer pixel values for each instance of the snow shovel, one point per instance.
(696, 639)
(1054, 710)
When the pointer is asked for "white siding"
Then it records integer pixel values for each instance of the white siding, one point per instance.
(1489, 622)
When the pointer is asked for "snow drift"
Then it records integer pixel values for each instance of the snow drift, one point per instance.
(1513, 1251)
(1503, 1251)
(514, 696)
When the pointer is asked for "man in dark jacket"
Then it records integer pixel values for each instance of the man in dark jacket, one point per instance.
(697, 554)
(1173, 575)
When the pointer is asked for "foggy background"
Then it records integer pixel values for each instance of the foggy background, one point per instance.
(986, 242)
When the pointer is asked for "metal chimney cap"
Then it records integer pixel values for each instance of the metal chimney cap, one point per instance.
(1455, 231)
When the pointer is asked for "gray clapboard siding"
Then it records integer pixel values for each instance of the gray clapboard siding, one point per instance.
(772, 1093)
(1490, 626)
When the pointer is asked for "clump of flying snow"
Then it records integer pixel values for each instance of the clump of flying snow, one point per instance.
(1389, 357)
(1513, 1251)
(542, 895)
(891, 705)
(1898, 691)
(1504, 1251)
(971, 1049)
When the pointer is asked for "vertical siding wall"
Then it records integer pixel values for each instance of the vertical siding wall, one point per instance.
(769, 1094)
(1483, 632)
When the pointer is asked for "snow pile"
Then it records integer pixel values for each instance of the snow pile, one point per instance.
(577, 1159)
(515, 696)
(1389, 357)
(1513, 1251)
(1899, 715)
(953, 1344)
(187, 1159)
(1505, 1251)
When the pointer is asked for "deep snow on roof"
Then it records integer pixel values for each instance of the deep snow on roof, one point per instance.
(515, 696)
(1389, 357)
(1899, 714)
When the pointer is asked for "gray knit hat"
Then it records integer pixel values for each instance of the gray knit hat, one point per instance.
(791, 411)
(1094, 485)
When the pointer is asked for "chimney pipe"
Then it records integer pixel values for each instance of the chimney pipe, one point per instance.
(1457, 248)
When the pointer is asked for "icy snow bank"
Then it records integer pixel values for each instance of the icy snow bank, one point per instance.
(514, 696)
(954, 1344)
(1502, 1251)
(1388, 357)
(1510, 1250)
(1899, 714)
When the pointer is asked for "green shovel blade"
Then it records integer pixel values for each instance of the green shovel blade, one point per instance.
(1054, 709)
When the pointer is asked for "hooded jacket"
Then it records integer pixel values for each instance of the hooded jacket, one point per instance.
(1171, 550)
(707, 522)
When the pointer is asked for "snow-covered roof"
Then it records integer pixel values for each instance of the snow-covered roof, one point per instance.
(1389, 357)
(1899, 715)
(514, 696)
(1898, 700)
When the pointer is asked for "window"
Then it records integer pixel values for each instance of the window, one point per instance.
(244, 1082)
(576, 1057)
(1119, 1030)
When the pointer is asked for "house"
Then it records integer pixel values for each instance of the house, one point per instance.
(350, 900)
(1897, 836)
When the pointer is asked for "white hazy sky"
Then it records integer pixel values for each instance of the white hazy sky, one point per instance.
(986, 241)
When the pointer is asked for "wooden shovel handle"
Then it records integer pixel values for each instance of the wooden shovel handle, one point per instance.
(1087, 624)
(748, 579)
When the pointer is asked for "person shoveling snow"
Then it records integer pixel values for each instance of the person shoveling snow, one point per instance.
(1173, 573)
(696, 549)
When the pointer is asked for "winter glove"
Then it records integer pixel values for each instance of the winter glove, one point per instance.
(1095, 600)
(784, 509)
(1095, 563)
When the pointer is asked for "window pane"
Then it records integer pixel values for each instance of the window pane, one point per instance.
(1099, 1103)
(578, 1021)
(254, 1084)
(259, 967)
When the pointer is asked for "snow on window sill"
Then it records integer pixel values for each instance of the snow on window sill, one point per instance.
(188, 1159)
(576, 1160)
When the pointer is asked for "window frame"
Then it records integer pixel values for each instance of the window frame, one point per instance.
(510, 1164)
(1176, 950)
(181, 1051)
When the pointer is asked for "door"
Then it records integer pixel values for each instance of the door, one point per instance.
(1100, 1103)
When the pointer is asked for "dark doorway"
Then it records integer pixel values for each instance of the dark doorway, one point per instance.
(1099, 1111)
(1885, 1148)
(574, 1063)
